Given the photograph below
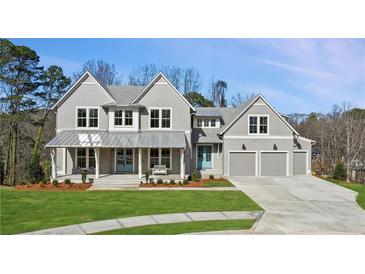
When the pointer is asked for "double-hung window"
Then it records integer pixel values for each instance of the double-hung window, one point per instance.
(87, 117)
(160, 156)
(85, 158)
(128, 118)
(160, 118)
(118, 118)
(258, 124)
(123, 118)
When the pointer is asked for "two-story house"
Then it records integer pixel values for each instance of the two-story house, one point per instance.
(130, 129)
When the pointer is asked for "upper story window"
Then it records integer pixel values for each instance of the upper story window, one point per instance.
(87, 117)
(206, 122)
(123, 118)
(258, 124)
(160, 118)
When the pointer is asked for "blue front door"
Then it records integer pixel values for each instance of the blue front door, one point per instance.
(124, 160)
(204, 157)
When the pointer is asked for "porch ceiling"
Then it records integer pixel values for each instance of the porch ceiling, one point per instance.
(146, 139)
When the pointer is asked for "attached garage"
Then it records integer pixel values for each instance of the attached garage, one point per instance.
(299, 163)
(274, 163)
(242, 163)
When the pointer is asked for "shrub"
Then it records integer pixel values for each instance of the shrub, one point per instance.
(67, 181)
(147, 175)
(152, 181)
(35, 172)
(91, 180)
(180, 183)
(46, 168)
(186, 182)
(172, 182)
(211, 177)
(83, 175)
(195, 176)
(340, 172)
(159, 181)
(55, 182)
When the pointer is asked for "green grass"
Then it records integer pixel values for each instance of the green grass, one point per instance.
(23, 211)
(172, 229)
(217, 184)
(359, 188)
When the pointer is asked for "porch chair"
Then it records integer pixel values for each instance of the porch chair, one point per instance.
(159, 170)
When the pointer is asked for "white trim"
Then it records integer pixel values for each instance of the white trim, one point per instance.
(76, 84)
(159, 118)
(307, 139)
(258, 124)
(306, 151)
(217, 122)
(249, 105)
(86, 157)
(275, 151)
(243, 151)
(87, 117)
(153, 81)
(115, 159)
(159, 156)
(196, 156)
(258, 137)
(64, 151)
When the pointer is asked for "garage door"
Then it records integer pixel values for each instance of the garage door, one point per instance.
(273, 163)
(242, 164)
(299, 162)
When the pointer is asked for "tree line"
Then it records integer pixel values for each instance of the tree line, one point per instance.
(28, 91)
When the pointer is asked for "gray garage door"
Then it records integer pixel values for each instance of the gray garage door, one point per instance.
(273, 164)
(242, 164)
(299, 163)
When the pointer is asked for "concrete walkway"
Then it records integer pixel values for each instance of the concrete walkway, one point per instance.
(106, 225)
(303, 205)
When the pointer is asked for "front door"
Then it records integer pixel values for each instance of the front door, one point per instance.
(124, 160)
(204, 157)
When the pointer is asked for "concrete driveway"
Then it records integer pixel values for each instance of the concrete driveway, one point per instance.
(303, 205)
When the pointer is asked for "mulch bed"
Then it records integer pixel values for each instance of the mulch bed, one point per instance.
(50, 186)
(190, 183)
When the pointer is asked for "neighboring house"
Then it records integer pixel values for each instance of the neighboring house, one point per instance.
(130, 129)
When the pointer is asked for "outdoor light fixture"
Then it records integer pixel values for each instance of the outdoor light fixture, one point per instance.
(243, 147)
(275, 147)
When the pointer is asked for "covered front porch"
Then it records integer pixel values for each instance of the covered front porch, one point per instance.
(117, 156)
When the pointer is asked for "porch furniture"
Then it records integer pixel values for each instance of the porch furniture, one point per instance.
(159, 170)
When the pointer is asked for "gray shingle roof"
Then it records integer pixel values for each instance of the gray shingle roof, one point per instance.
(205, 135)
(124, 95)
(146, 139)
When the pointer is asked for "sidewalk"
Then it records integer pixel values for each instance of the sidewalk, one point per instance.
(106, 225)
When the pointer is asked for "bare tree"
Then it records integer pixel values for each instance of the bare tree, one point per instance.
(142, 75)
(218, 93)
(174, 74)
(192, 80)
(105, 72)
(238, 99)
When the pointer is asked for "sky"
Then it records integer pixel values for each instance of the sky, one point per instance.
(294, 75)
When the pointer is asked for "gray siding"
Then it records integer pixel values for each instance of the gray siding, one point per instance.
(273, 164)
(85, 95)
(242, 164)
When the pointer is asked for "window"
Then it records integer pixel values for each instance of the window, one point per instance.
(160, 156)
(166, 118)
(212, 123)
(81, 117)
(93, 117)
(91, 158)
(206, 122)
(81, 158)
(165, 157)
(263, 125)
(160, 118)
(200, 122)
(258, 124)
(153, 157)
(155, 118)
(118, 118)
(128, 120)
(87, 117)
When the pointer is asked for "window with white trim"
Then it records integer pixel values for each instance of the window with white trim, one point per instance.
(160, 118)
(206, 122)
(160, 156)
(123, 118)
(118, 118)
(87, 117)
(258, 124)
(128, 118)
(85, 158)
(200, 122)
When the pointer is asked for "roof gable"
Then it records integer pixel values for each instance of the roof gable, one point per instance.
(246, 106)
(77, 84)
(158, 78)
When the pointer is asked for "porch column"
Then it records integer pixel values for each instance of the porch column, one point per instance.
(140, 163)
(54, 168)
(97, 150)
(182, 163)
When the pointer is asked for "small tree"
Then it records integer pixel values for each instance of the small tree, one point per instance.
(46, 167)
(340, 171)
(35, 172)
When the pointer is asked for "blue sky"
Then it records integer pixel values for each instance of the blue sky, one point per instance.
(295, 75)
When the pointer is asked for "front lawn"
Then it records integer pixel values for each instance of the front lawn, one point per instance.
(172, 229)
(359, 188)
(217, 183)
(23, 211)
